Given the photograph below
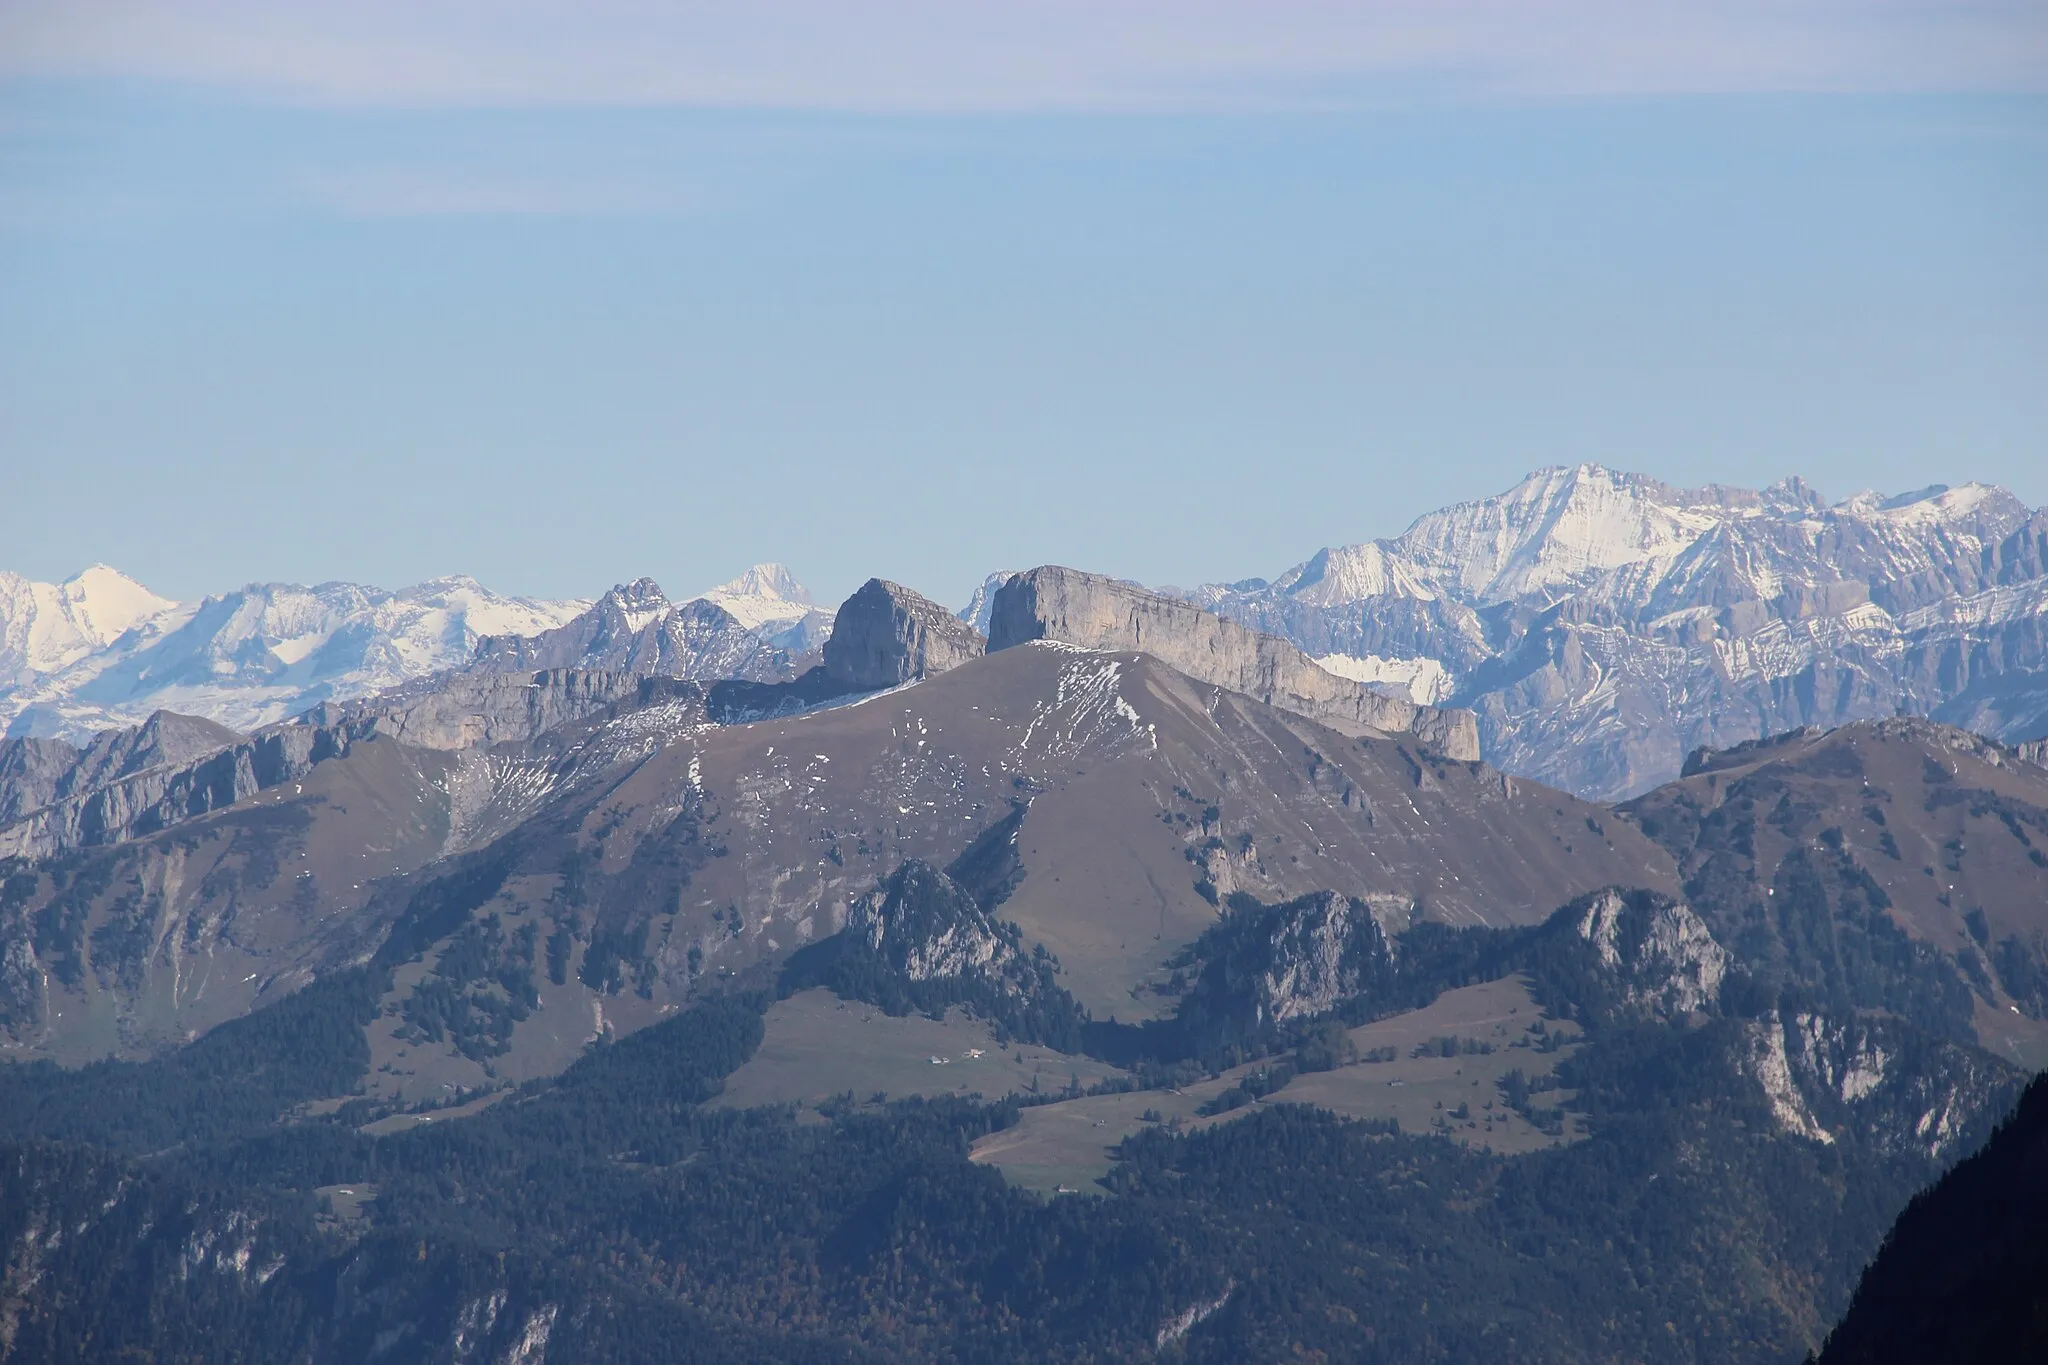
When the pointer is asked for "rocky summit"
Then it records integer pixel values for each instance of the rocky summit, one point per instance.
(886, 634)
(635, 628)
(1095, 612)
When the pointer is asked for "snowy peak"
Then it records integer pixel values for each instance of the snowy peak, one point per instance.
(1939, 505)
(106, 603)
(1601, 624)
(1621, 539)
(99, 651)
(1352, 574)
(768, 600)
(768, 580)
(1557, 529)
(47, 626)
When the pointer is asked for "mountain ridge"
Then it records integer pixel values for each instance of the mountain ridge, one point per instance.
(1601, 625)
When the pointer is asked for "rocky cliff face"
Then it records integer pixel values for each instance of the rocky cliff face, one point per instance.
(154, 798)
(1824, 1077)
(1094, 612)
(923, 926)
(1662, 953)
(1601, 625)
(1316, 952)
(921, 941)
(886, 634)
(39, 772)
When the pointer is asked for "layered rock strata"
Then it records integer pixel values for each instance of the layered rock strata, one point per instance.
(885, 634)
(1095, 612)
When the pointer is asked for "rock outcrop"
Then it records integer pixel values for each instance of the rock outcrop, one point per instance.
(885, 634)
(1095, 612)
(923, 926)
(921, 941)
(478, 710)
(142, 802)
(1666, 960)
(1265, 966)
(39, 772)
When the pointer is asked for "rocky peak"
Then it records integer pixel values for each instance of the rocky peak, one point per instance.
(919, 940)
(925, 926)
(764, 580)
(976, 612)
(636, 601)
(1667, 960)
(634, 628)
(1263, 966)
(886, 634)
(1094, 612)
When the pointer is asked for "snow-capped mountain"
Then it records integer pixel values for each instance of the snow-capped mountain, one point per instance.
(768, 600)
(1603, 624)
(100, 650)
(635, 628)
(46, 626)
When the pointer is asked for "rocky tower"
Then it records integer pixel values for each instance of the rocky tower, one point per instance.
(1052, 603)
(886, 634)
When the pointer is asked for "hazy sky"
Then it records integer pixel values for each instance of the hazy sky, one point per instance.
(562, 294)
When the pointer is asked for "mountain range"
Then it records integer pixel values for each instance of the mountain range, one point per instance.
(1603, 625)
(1097, 972)
(99, 651)
(1600, 626)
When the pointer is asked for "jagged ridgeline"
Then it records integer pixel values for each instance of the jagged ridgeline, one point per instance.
(1602, 625)
(575, 1013)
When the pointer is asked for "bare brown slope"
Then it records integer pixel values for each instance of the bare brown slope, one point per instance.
(648, 854)
(1932, 830)
(1148, 793)
(122, 950)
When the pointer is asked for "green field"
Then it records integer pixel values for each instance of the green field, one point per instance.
(817, 1046)
(1066, 1146)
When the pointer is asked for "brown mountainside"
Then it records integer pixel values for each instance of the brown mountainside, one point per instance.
(646, 853)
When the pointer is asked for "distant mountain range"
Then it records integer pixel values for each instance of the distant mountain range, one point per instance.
(1603, 625)
(100, 651)
(1599, 625)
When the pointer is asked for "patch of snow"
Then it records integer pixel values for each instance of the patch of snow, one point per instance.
(1423, 681)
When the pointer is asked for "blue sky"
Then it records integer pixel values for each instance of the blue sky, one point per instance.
(1164, 291)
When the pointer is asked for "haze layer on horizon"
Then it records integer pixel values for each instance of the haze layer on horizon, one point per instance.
(560, 295)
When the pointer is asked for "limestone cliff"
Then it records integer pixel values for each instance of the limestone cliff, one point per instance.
(1053, 603)
(1662, 953)
(886, 634)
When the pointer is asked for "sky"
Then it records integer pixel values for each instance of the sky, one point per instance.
(559, 294)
